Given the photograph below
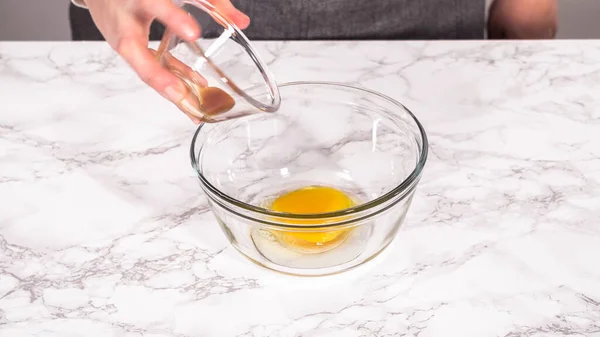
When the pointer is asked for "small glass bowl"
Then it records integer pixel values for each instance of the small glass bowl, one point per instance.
(357, 141)
(224, 75)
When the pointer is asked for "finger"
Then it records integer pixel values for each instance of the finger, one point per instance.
(184, 72)
(190, 105)
(173, 17)
(143, 62)
(228, 9)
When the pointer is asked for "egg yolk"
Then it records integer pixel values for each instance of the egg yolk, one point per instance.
(312, 200)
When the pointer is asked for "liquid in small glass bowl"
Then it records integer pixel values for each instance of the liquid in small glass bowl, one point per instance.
(320, 186)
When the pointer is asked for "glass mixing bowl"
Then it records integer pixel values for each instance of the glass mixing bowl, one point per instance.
(324, 135)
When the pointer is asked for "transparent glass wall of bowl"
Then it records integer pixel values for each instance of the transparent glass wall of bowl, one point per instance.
(359, 142)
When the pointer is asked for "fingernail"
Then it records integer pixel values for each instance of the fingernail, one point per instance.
(175, 92)
(184, 100)
(198, 80)
(189, 32)
(190, 108)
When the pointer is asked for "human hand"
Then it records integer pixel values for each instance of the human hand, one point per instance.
(523, 19)
(125, 24)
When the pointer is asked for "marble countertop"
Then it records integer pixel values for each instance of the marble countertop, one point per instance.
(104, 230)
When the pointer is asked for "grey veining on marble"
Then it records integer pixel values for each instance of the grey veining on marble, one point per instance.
(104, 230)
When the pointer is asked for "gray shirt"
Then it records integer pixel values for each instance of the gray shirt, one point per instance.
(356, 19)
(360, 19)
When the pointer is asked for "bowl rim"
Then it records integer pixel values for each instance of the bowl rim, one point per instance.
(399, 189)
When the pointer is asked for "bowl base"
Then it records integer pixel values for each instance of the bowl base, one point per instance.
(321, 272)
(276, 253)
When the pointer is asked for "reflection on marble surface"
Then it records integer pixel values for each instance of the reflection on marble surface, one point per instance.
(105, 232)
